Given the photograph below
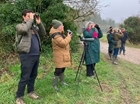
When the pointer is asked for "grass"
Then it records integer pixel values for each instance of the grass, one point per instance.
(120, 83)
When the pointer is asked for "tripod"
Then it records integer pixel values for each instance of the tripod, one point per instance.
(80, 66)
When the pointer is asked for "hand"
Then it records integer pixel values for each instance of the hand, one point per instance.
(92, 25)
(97, 26)
(69, 34)
(38, 20)
(31, 15)
(120, 31)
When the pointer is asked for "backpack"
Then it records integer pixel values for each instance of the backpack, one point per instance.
(17, 41)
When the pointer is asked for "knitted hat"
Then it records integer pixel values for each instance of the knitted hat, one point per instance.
(56, 23)
(110, 27)
(87, 24)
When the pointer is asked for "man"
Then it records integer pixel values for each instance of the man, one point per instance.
(61, 51)
(123, 41)
(29, 48)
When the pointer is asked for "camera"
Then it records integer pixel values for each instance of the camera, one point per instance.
(36, 16)
(69, 31)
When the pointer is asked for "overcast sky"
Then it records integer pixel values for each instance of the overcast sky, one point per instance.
(119, 10)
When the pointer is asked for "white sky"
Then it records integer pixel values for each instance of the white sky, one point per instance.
(119, 10)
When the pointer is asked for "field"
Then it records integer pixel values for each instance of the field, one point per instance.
(120, 83)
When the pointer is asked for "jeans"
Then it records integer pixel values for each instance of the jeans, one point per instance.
(115, 53)
(29, 67)
(90, 69)
(122, 48)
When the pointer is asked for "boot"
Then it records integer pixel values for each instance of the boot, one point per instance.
(114, 60)
(55, 82)
(123, 52)
(110, 56)
(62, 80)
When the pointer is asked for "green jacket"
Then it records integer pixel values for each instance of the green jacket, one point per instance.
(111, 42)
(92, 51)
(24, 33)
(117, 37)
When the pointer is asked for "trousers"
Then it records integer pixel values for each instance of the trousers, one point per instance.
(90, 69)
(29, 67)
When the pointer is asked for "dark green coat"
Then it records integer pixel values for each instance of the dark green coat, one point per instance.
(92, 51)
(111, 42)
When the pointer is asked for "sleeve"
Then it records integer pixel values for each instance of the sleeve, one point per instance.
(110, 39)
(100, 34)
(23, 28)
(41, 30)
(120, 35)
(61, 42)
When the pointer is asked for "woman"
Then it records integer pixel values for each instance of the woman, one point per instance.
(92, 52)
(111, 42)
(117, 35)
(61, 51)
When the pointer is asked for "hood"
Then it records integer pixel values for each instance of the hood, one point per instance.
(52, 31)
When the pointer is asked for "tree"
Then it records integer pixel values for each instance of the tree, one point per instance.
(67, 11)
(55, 9)
(84, 8)
(132, 25)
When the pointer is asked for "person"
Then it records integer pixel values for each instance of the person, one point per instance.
(117, 35)
(61, 51)
(29, 48)
(92, 52)
(123, 41)
(111, 42)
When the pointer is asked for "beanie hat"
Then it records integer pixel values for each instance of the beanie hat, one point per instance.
(56, 23)
(87, 24)
(110, 27)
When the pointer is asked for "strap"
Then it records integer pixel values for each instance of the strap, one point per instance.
(57, 33)
(19, 39)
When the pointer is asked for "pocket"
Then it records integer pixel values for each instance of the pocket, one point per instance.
(66, 57)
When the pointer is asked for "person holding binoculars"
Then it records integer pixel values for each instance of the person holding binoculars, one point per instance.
(92, 52)
(29, 47)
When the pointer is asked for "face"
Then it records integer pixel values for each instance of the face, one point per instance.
(61, 28)
(27, 17)
(91, 25)
(122, 30)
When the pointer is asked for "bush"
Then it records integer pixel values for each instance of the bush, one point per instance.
(55, 9)
(132, 25)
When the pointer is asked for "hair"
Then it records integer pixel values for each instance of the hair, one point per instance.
(88, 23)
(115, 30)
(25, 11)
(123, 29)
(110, 29)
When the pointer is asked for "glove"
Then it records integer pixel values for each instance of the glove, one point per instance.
(97, 26)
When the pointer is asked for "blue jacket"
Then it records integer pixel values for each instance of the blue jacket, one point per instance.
(124, 38)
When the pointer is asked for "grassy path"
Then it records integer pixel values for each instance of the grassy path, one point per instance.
(120, 84)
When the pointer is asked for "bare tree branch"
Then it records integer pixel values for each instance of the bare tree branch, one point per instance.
(83, 8)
